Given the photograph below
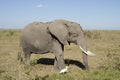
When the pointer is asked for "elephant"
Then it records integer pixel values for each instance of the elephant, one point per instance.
(51, 37)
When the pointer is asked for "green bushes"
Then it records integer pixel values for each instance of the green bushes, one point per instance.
(113, 62)
(9, 33)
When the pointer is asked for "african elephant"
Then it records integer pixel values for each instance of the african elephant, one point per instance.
(51, 37)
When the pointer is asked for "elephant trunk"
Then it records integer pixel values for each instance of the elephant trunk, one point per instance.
(84, 55)
(83, 46)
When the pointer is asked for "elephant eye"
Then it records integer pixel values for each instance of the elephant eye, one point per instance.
(70, 34)
(75, 35)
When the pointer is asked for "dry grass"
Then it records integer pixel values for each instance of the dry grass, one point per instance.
(104, 66)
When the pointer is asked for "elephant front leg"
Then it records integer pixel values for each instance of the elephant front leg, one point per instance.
(56, 67)
(59, 62)
(59, 57)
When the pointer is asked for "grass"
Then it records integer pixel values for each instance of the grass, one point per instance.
(104, 66)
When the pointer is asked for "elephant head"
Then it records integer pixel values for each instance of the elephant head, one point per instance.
(70, 32)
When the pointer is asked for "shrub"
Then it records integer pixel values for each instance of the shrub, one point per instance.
(92, 34)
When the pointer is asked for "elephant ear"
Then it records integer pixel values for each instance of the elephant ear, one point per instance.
(59, 32)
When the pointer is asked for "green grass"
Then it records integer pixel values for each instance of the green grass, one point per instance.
(104, 66)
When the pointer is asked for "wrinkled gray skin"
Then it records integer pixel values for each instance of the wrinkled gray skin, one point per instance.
(51, 37)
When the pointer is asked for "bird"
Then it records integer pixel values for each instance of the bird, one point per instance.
(64, 70)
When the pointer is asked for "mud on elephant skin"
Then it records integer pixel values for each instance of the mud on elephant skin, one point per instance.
(51, 37)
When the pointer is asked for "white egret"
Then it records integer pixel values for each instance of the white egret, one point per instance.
(64, 70)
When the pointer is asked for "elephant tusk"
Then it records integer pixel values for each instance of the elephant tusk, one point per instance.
(90, 53)
(87, 52)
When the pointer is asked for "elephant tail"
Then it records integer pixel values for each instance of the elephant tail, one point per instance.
(19, 56)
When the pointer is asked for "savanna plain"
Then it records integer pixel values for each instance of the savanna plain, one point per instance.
(105, 65)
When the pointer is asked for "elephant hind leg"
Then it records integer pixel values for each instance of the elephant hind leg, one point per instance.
(27, 55)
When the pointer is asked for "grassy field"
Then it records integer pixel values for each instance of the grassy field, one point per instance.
(104, 66)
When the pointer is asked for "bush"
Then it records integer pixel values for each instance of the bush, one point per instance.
(112, 61)
(92, 34)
